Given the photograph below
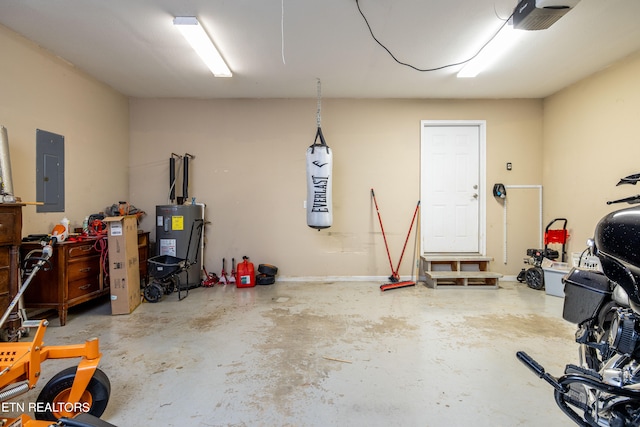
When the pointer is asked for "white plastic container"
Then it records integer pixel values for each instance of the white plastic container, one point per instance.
(61, 231)
(553, 278)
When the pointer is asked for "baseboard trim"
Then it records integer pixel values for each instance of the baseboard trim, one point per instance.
(384, 279)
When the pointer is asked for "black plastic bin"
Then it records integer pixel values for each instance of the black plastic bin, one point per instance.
(584, 293)
(162, 266)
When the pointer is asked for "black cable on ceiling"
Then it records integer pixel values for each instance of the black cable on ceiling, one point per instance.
(435, 68)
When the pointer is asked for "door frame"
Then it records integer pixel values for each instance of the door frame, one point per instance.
(482, 160)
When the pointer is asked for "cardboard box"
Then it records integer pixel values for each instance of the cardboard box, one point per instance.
(124, 271)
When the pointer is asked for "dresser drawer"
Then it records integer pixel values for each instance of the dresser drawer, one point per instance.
(4, 303)
(10, 226)
(5, 270)
(5, 256)
(78, 251)
(83, 267)
(5, 273)
(85, 286)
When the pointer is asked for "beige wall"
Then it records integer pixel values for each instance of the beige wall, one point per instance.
(40, 91)
(249, 166)
(590, 142)
(250, 172)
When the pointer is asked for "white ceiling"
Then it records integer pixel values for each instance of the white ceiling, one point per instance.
(278, 48)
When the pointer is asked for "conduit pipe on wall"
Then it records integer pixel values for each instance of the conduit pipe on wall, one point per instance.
(185, 176)
(172, 177)
(523, 187)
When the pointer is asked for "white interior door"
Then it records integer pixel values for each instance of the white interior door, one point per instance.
(452, 187)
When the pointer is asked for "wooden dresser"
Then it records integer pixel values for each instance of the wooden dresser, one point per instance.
(75, 277)
(10, 236)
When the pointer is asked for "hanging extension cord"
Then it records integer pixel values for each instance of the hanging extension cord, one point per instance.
(442, 67)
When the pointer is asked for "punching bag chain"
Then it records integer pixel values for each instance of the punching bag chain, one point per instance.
(318, 115)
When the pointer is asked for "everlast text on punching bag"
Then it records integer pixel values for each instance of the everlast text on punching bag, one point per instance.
(319, 180)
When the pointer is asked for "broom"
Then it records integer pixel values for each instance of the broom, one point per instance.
(395, 277)
(397, 284)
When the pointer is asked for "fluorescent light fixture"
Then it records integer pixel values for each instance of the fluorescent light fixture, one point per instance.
(202, 44)
(506, 38)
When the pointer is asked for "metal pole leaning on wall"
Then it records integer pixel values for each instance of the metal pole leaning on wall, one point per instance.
(6, 180)
(522, 187)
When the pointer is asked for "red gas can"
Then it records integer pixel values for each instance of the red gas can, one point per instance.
(245, 274)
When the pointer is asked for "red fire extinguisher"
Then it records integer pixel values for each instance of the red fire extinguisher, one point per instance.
(245, 274)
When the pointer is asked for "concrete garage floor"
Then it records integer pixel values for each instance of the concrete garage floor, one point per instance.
(327, 354)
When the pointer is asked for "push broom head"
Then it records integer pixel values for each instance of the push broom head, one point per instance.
(396, 285)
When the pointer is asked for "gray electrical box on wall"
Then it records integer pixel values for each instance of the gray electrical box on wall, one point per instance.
(49, 171)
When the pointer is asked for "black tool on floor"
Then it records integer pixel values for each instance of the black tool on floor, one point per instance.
(84, 420)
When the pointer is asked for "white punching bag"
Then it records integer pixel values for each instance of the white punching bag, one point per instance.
(319, 180)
